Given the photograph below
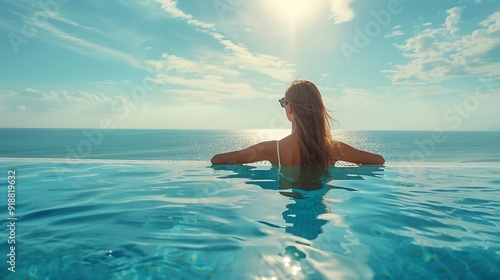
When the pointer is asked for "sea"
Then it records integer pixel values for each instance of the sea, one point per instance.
(147, 204)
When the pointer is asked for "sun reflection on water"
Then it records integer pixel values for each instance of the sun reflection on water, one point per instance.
(293, 269)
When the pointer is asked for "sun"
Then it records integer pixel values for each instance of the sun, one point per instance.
(292, 11)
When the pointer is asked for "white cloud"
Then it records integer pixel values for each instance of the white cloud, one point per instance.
(438, 54)
(492, 23)
(265, 64)
(410, 92)
(201, 80)
(452, 19)
(357, 93)
(427, 24)
(31, 93)
(239, 56)
(182, 65)
(213, 77)
(66, 40)
(204, 97)
(40, 101)
(241, 90)
(51, 31)
(395, 33)
(84, 97)
(341, 11)
(170, 7)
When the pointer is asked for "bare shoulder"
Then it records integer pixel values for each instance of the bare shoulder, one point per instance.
(339, 146)
(266, 145)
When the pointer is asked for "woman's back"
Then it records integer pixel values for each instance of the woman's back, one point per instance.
(289, 151)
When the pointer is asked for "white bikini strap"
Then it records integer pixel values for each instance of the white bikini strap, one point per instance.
(278, 149)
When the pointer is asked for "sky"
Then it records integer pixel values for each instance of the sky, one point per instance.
(223, 64)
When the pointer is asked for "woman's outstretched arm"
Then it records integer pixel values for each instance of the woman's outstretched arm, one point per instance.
(351, 154)
(257, 152)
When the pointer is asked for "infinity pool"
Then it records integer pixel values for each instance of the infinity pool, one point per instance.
(96, 219)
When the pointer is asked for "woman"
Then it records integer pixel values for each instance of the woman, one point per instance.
(310, 144)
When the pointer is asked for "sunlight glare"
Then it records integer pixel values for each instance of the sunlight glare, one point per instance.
(292, 11)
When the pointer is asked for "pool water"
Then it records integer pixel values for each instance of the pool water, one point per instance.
(126, 219)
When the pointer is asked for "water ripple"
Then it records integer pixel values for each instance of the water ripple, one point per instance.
(130, 220)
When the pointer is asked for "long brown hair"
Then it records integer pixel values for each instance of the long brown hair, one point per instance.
(312, 123)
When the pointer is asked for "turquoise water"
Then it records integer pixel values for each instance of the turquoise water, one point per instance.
(180, 220)
(151, 218)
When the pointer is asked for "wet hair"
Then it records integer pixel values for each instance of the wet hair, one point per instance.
(312, 123)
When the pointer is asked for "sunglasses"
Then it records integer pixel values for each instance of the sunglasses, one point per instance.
(283, 102)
